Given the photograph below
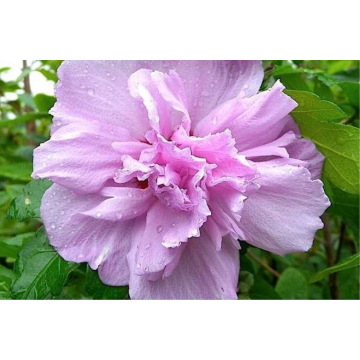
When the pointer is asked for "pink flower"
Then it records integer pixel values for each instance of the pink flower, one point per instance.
(161, 166)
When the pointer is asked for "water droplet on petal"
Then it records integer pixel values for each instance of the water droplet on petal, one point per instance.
(119, 215)
(195, 232)
(62, 212)
(147, 269)
(130, 194)
(147, 247)
(160, 228)
(167, 200)
(53, 226)
(138, 266)
(172, 225)
(91, 92)
(98, 214)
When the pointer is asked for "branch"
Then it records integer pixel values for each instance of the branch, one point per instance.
(330, 257)
(263, 264)
(30, 126)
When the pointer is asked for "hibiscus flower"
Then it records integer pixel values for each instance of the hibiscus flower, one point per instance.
(161, 167)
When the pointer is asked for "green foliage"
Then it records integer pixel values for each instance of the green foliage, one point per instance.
(27, 205)
(292, 285)
(98, 291)
(353, 261)
(41, 272)
(328, 113)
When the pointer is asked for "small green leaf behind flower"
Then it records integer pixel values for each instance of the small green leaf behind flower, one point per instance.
(41, 272)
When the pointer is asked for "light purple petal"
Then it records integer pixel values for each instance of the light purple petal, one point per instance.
(263, 114)
(122, 203)
(305, 150)
(97, 91)
(165, 231)
(70, 159)
(86, 239)
(202, 273)
(283, 215)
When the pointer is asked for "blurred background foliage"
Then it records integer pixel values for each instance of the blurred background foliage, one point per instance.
(328, 114)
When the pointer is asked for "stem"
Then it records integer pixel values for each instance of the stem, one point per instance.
(330, 257)
(263, 264)
(341, 241)
(30, 126)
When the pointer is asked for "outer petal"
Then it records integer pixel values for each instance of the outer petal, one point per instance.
(202, 273)
(211, 83)
(283, 215)
(68, 158)
(305, 150)
(97, 90)
(263, 114)
(98, 242)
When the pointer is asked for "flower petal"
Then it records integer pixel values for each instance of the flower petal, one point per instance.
(122, 204)
(211, 83)
(165, 231)
(68, 158)
(283, 215)
(85, 239)
(263, 114)
(305, 150)
(97, 91)
(202, 273)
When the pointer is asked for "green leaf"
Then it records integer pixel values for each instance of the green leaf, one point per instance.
(27, 99)
(49, 75)
(262, 290)
(352, 92)
(16, 171)
(99, 291)
(292, 285)
(22, 119)
(344, 204)
(311, 109)
(10, 247)
(41, 272)
(27, 205)
(44, 102)
(6, 278)
(338, 143)
(343, 265)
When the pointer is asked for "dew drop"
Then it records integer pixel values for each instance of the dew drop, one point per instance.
(195, 232)
(147, 269)
(53, 226)
(98, 214)
(148, 246)
(119, 215)
(130, 194)
(62, 212)
(91, 92)
(172, 225)
(138, 266)
(160, 228)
